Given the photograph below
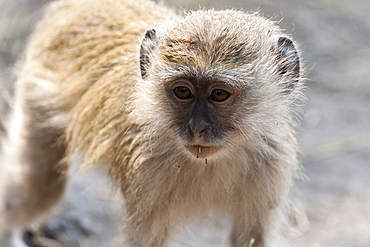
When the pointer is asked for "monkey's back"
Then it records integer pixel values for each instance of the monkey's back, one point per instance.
(80, 67)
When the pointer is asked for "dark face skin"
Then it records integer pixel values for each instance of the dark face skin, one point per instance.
(202, 109)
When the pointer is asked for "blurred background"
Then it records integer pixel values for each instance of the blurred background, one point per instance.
(333, 200)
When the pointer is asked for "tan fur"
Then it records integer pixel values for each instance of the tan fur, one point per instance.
(79, 90)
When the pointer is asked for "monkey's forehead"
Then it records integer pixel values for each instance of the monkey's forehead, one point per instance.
(218, 37)
(242, 26)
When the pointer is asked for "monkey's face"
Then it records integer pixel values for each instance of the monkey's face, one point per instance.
(201, 111)
(219, 83)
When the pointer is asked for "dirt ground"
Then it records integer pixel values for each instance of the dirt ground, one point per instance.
(335, 134)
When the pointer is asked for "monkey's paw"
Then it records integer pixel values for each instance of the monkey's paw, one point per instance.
(68, 231)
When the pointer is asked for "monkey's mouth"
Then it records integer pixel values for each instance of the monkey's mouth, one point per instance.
(202, 151)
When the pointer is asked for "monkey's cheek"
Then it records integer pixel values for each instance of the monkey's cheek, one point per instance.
(202, 152)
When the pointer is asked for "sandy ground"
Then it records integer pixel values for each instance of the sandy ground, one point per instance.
(335, 133)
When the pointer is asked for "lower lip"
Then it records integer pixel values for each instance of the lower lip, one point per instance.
(202, 151)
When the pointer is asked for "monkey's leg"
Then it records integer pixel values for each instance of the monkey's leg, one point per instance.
(33, 178)
(254, 230)
(243, 234)
(147, 226)
(257, 212)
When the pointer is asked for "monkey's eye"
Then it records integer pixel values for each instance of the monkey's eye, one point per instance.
(219, 95)
(182, 92)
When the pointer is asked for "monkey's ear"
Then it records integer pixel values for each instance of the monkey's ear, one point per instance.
(288, 62)
(146, 49)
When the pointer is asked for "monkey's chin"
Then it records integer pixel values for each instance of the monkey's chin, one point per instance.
(202, 152)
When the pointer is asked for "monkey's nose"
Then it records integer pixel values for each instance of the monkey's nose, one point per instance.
(198, 127)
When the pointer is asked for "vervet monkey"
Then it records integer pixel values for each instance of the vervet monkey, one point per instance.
(193, 113)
